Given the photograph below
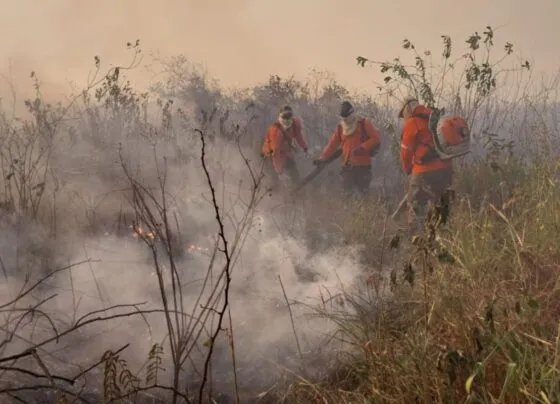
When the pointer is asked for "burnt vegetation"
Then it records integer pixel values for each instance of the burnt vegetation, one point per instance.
(144, 259)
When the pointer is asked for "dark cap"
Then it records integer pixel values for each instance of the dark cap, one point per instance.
(346, 109)
(286, 112)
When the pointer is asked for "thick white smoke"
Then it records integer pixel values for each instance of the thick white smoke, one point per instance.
(87, 216)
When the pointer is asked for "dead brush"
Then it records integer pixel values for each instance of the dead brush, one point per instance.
(473, 320)
(121, 385)
(470, 317)
(195, 329)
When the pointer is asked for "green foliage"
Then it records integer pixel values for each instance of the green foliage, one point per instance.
(433, 83)
(115, 94)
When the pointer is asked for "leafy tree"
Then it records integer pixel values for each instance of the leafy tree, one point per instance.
(461, 83)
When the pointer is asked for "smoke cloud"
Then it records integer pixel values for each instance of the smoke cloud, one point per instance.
(67, 203)
(89, 222)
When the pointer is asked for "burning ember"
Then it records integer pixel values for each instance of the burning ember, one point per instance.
(195, 248)
(139, 233)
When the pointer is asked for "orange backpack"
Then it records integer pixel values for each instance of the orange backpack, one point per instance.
(450, 133)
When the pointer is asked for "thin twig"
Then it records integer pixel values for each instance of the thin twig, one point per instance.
(293, 324)
(227, 264)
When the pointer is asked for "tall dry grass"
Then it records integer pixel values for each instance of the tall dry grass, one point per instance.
(467, 312)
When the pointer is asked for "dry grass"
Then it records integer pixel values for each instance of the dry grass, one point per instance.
(466, 313)
(478, 322)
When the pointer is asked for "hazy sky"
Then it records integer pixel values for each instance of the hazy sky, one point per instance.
(243, 41)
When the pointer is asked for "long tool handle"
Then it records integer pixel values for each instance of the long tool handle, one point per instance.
(317, 170)
(402, 204)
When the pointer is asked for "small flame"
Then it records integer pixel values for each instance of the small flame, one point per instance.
(138, 232)
(196, 248)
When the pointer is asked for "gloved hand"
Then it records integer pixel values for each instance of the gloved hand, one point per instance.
(359, 151)
(318, 162)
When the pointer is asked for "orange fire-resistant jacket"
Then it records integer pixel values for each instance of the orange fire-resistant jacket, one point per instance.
(368, 141)
(278, 143)
(416, 143)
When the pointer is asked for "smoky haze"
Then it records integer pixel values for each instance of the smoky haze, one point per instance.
(88, 197)
(87, 165)
(242, 42)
